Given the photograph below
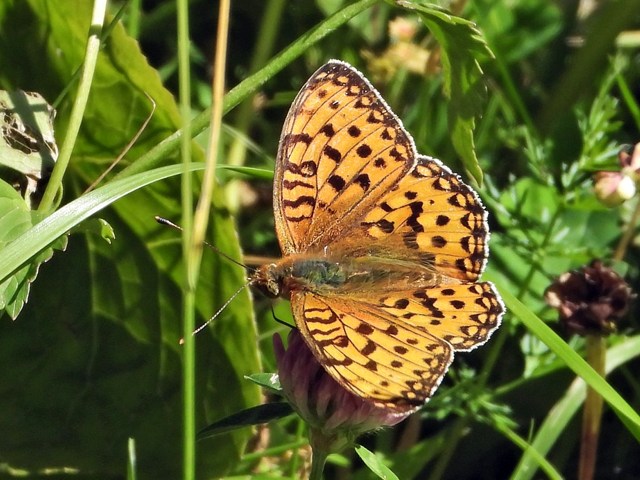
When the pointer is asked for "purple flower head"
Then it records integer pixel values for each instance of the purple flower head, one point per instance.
(335, 415)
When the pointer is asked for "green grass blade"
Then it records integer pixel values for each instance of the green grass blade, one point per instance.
(574, 361)
(563, 411)
(44, 233)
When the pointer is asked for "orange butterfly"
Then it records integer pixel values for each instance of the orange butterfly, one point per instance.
(382, 246)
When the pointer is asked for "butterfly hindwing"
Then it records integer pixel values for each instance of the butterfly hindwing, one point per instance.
(463, 315)
(368, 352)
(430, 218)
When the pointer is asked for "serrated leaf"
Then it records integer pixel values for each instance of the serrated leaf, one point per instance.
(250, 416)
(15, 219)
(96, 226)
(462, 46)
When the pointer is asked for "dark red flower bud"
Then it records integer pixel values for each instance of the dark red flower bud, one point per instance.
(590, 300)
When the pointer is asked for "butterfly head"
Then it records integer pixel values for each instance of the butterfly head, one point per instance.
(268, 279)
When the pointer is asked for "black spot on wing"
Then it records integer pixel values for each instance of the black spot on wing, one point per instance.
(354, 131)
(332, 153)
(442, 220)
(336, 182)
(363, 150)
(328, 130)
(438, 241)
(363, 181)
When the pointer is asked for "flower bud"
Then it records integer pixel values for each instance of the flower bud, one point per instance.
(613, 188)
(590, 300)
(629, 158)
(402, 29)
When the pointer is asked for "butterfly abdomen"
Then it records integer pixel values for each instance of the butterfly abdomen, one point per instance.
(303, 273)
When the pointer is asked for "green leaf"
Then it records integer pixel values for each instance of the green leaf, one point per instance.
(462, 47)
(96, 226)
(15, 220)
(270, 381)
(250, 416)
(375, 464)
(410, 462)
(21, 248)
(252, 172)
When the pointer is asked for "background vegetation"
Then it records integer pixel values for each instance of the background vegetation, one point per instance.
(93, 359)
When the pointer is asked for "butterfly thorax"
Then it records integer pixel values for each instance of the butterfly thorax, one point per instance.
(328, 275)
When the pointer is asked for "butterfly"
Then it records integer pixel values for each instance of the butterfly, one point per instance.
(382, 247)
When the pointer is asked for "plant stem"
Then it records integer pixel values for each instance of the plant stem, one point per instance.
(596, 355)
(628, 234)
(52, 192)
(203, 207)
(318, 460)
(189, 296)
(453, 437)
(246, 114)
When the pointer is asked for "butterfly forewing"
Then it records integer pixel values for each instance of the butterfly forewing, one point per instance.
(341, 149)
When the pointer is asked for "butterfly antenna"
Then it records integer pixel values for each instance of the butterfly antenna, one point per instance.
(169, 223)
(220, 310)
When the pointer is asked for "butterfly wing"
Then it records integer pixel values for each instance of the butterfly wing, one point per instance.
(464, 315)
(365, 350)
(431, 218)
(395, 349)
(341, 149)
